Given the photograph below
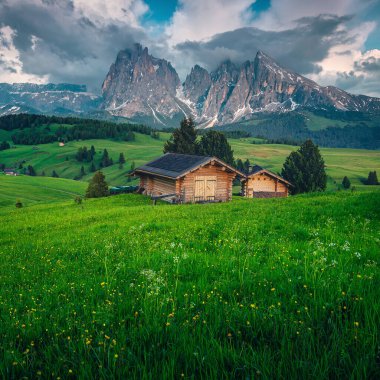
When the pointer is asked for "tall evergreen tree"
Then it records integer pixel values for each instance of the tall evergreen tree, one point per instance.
(30, 171)
(121, 158)
(239, 165)
(183, 139)
(246, 166)
(305, 169)
(346, 183)
(92, 152)
(54, 174)
(82, 172)
(97, 187)
(372, 178)
(214, 143)
(92, 167)
(106, 160)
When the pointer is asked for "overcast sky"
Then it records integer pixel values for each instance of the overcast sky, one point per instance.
(75, 41)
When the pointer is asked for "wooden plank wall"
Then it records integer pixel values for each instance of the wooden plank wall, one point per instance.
(223, 190)
(263, 183)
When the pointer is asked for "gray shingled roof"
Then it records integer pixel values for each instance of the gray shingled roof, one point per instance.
(173, 165)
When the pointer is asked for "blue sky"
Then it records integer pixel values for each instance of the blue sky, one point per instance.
(332, 42)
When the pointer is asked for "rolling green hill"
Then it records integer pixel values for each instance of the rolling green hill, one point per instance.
(118, 288)
(354, 163)
(33, 190)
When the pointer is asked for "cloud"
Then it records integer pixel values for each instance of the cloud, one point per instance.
(300, 48)
(67, 41)
(365, 78)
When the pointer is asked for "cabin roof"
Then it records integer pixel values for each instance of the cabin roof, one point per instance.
(175, 165)
(256, 169)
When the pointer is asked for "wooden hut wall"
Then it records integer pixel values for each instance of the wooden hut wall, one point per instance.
(265, 184)
(157, 185)
(223, 185)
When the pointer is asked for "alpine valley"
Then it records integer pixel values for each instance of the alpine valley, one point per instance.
(247, 96)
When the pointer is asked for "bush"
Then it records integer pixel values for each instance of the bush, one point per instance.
(18, 204)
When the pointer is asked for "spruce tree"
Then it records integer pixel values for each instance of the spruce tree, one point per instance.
(97, 187)
(372, 178)
(346, 183)
(82, 172)
(215, 144)
(305, 169)
(183, 139)
(121, 159)
(54, 174)
(30, 171)
(92, 167)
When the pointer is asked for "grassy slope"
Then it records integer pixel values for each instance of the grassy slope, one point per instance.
(32, 190)
(119, 288)
(355, 163)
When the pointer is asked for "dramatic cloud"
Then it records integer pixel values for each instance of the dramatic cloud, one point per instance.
(67, 41)
(300, 48)
(77, 40)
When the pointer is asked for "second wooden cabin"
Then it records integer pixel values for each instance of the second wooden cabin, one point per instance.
(262, 183)
(187, 178)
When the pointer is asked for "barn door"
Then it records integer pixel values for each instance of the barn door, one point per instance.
(205, 188)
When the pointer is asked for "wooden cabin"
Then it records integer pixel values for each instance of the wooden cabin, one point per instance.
(262, 183)
(182, 178)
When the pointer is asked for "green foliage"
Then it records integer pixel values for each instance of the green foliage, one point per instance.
(183, 139)
(346, 183)
(30, 171)
(97, 187)
(121, 159)
(84, 154)
(34, 129)
(155, 135)
(54, 174)
(121, 289)
(305, 169)
(215, 144)
(106, 160)
(372, 178)
(92, 167)
(18, 204)
(4, 145)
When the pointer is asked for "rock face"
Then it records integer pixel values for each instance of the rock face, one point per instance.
(141, 85)
(63, 99)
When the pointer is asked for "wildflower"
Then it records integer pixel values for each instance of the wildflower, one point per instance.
(356, 324)
(102, 284)
(70, 371)
(229, 335)
(273, 289)
(116, 356)
(39, 373)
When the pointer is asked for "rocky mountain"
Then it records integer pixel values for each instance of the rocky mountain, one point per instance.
(147, 89)
(63, 99)
(139, 84)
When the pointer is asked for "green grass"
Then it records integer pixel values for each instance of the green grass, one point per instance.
(118, 288)
(354, 163)
(32, 190)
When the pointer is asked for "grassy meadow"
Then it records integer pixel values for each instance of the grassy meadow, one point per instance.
(355, 163)
(118, 288)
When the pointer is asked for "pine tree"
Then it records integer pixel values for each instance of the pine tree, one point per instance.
(82, 172)
(183, 139)
(372, 178)
(92, 167)
(43, 173)
(121, 159)
(97, 187)
(239, 165)
(30, 171)
(246, 166)
(92, 152)
(215, 144)
(346, 183)
(106, 161)
(305, 169)
(54, 174)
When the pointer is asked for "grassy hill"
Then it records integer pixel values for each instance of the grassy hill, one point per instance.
(355, 163)
(33, 190)
(118, 288)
